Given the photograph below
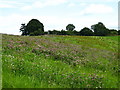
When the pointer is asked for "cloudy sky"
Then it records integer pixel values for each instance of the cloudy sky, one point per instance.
(56, 14)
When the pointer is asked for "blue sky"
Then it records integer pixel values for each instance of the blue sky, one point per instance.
(57, 14)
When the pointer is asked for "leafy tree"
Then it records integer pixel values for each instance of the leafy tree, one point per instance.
(63, 32)
(37, 32)
(100, 29)
(118, 32)
(23, 29)
(49, 32)
(113, 32)
(69, 32)
(86, 32)
(33, 28)
(70, 27)
(76, 32)
(55, 32)
(46, 32)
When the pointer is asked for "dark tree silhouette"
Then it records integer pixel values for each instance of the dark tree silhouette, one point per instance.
(63, 32)
(33, 28)
(86, 32)
(113, 32)
(70, 27)
(23, 29)
(118, 32)
(100, 29)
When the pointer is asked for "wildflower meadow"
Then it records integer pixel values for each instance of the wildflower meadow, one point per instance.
(58, 61)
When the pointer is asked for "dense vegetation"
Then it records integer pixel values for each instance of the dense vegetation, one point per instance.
(35, 28)
(52, 61)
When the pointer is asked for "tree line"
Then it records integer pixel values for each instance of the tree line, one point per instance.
(34, 28)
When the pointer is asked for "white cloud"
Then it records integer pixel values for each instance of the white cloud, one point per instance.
(91, 14)
(54, 2)
(97, 1)
(71, 5)
(112, 0)
(83, 4)
(97, 9)
(11, 23)
(40, 4)
(10, 4)
(6, 6)
(26, 7)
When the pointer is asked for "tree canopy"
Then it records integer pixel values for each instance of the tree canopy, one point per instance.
(118, 32)
(70, 27)
(23, 29)
(100, 29)
(113, 32)
(33, 28)
(86, 32)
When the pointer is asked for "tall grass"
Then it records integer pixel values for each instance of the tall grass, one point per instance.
(0, 61)
(59, 62)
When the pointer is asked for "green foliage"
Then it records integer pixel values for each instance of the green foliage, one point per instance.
(55, 32)
(63, 32)
(76, 32)
(23, 29)
(33, 28)
(54, 61)
(100, 29)
(118, 32)
(113, 32)
(70, 27)
(86, 32)
(70, 32)
(37, 32)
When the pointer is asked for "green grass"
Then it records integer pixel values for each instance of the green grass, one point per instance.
(54, 61)
(115, 38)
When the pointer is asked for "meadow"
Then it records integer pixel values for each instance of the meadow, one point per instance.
(56, 61)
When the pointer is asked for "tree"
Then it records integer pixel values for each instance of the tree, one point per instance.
(23, 29)
(113, 32)
(70, 27)
(33, 28)
(63, 32)
(76, 32)
(55, 32)
(86, 32)
(118, 32)
(100, 29)
(69, 32)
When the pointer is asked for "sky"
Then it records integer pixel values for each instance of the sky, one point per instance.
(57, 14)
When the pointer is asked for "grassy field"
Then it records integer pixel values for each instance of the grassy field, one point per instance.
(53, 61)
